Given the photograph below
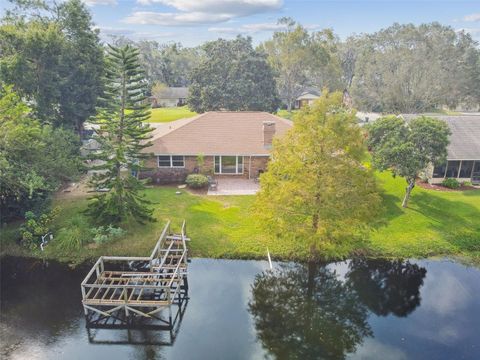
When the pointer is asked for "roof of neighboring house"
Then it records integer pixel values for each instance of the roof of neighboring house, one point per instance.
(216, 133)
(465, 137)
(173, 93)
(309, 93)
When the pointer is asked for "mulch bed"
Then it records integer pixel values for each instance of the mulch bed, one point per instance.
(443, 188)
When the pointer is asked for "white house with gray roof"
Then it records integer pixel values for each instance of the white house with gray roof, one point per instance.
(463, 159)
(170, 97)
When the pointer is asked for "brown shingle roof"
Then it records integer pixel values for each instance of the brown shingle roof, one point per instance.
(216, 133)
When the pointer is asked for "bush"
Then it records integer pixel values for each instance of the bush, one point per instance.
(35, 227)
(197, 181)
(451, 183)
(74, 234)
(103, 234)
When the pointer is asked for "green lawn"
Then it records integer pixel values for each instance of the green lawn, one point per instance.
(285, 114)
(170, 114)
(435, 224)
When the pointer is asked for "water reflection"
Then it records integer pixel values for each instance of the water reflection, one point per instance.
(356, 310)
(307, 311)
(387, 287)
(141, 333)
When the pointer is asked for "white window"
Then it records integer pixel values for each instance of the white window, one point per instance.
(171, 161)
(229, 165)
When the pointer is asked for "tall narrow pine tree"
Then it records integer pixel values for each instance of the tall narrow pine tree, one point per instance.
(122, 135)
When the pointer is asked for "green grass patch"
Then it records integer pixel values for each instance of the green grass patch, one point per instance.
(170, 114)
(435, 224)
(286, 114)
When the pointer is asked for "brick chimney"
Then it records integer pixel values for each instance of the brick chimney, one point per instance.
(268, 133)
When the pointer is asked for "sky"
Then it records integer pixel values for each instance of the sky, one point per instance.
(193, 22)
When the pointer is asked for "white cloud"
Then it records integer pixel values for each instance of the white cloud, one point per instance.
(225, 30)
(237, 7)
(195, 12)
(264, 27)
(472, 17)
(106, 32)
(254, 28)
(174, 19)
(100, 2)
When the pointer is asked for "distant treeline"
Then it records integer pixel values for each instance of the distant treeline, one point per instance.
(403, 68)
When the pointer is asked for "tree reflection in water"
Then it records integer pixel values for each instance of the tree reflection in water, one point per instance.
(387, 287)
(305, 311)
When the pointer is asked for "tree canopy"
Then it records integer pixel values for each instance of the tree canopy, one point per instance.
(169, 64)
(411, 69)
(53, 58)
(407, 148)
(302, 59)
(232, 76)
(34, 159)
(316, 190)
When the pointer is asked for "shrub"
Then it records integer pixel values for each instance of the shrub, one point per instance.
(197, 181)
(74, 234)
(451, 183)
(35, 227)
(104, 234)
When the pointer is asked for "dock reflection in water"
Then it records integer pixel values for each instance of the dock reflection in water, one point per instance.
(361, 309)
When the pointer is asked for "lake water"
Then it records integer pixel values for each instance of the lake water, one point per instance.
(239, 310)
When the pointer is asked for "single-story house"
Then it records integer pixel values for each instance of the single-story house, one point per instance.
(170, 97)
(306, 98)
(222, 143)
(463, 159)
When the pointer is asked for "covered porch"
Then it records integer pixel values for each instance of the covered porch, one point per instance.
(231, 185)
(462, 170)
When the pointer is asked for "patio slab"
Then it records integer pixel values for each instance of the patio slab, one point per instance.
(234, 186)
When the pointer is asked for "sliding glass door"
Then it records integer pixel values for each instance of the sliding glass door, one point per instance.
(229, 165)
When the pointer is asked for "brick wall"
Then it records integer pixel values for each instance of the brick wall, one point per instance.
(178, 175)
(258, 163)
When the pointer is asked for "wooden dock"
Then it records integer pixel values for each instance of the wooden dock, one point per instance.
(129, 291)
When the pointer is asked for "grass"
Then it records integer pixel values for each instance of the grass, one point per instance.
(170, 114)
(435, 224)
(285, 114)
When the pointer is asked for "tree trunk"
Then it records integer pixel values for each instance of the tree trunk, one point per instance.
(409, 188)
(289, 106)
(312, 272)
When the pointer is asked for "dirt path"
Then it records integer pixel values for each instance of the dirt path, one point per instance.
(75, 189)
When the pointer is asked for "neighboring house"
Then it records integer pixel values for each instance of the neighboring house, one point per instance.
(306, 98)
(170, 97)
(463, 159)
(366, 117)
(228, 144)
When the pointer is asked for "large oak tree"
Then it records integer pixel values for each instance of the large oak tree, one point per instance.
(232, 76)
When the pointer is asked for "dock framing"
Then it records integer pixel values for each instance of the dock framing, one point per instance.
(134, 291)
